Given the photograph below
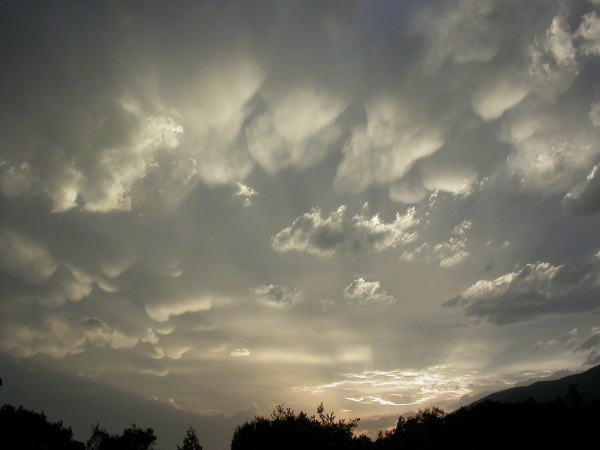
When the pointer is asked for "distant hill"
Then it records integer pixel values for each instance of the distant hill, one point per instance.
(588, 384)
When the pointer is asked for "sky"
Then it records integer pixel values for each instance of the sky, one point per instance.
(210, 208)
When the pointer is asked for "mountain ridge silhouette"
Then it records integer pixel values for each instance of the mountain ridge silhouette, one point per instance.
(587, 383)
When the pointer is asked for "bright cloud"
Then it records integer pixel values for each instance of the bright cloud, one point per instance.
(324, 237)
(162, 312)
(246, 193)
(240, 353)
(366, 293)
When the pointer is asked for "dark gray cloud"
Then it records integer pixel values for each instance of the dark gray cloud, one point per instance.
(530, 292)
(279, 295)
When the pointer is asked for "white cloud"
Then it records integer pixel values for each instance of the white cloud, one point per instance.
(449, 253)
(246, 193)
(367, 293)
(454, 251)
(240, 353)
(337, 232)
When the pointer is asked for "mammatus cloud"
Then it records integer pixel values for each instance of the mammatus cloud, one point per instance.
(125, 149)
(550, 154)
(383, 150)
(367, 293)
(278, 295)
(25, 259)
(131, 136)
(535, 290)
(173, 122)
(99, 334)
(59, 335)
(297, 129)
(43, 277)
(338, 233)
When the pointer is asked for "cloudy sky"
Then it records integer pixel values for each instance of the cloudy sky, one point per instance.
(210, 208)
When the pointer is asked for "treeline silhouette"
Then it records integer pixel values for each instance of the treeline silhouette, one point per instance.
(21, 429)
(567, 422)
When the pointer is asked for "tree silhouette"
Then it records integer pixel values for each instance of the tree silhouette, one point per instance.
(28, 430)
(285, 430)
(190, 441)
(574, 398)
(133, 438)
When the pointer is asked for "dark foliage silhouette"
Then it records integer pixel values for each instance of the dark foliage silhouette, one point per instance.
(190, 441)
(21, 429)
(285, 430)
(567, 423)
(133, 438)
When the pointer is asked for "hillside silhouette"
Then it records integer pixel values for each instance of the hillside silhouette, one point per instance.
(588, 384)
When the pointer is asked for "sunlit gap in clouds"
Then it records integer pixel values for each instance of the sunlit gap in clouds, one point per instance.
(400, 387)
